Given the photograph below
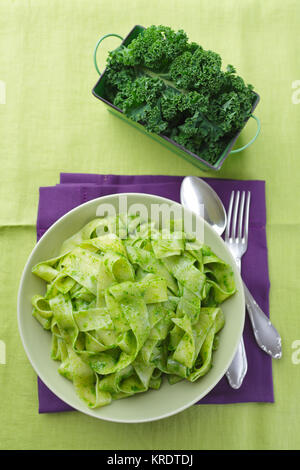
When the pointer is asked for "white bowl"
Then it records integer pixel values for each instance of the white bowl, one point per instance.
(154, 404)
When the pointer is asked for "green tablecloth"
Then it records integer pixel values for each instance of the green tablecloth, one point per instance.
(52, 123)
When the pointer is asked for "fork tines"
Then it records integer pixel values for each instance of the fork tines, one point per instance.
(239, 204)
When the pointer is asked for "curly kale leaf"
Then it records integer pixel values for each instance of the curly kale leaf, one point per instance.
(155, 49)
(200, 70)
(140, 101)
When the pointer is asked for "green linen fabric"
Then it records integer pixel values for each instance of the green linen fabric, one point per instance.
(50, 122)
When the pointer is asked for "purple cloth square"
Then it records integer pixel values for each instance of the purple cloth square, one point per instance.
(75, 189)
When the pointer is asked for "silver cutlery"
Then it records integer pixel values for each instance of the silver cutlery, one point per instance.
(266, 335)
(196, 194)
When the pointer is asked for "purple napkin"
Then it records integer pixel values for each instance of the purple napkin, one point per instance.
(75, 189)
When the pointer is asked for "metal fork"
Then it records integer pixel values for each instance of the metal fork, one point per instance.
(237, 244)
(266, 335)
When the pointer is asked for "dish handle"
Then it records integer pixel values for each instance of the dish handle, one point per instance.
(98, 44)
(253, 138)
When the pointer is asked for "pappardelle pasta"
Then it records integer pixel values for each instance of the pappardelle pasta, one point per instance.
(127, 304)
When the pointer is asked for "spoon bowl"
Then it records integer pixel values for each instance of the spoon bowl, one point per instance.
(200, 198)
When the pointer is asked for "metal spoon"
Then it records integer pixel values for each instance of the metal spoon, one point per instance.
(194, 192)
